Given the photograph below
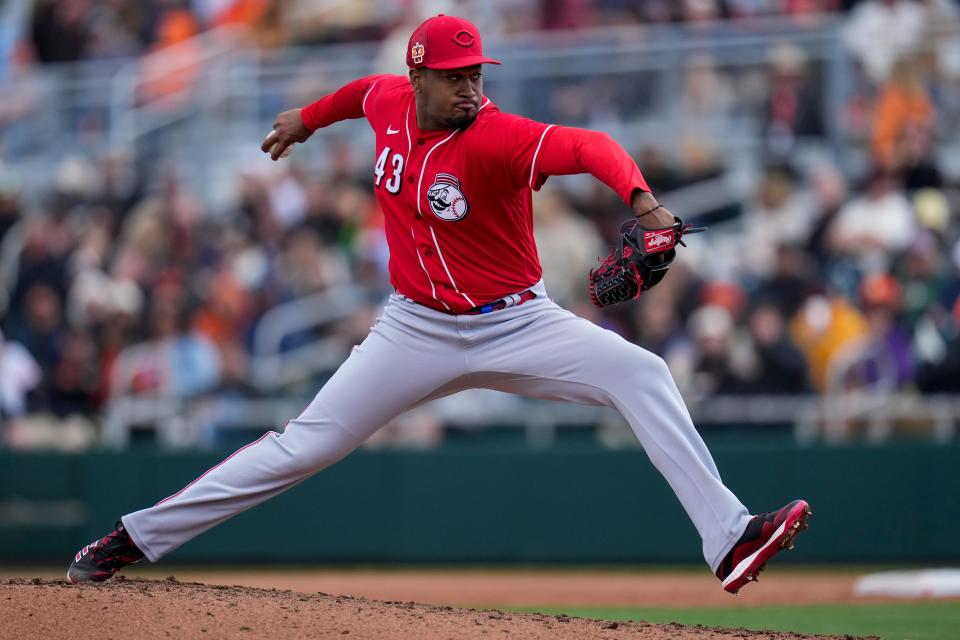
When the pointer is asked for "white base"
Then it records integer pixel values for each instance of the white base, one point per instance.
(928, 583)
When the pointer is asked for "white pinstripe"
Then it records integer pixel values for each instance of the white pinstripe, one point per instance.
(537, 152)
(424, 166)
(363, 105)
(406, 125)
(445, 268)
(433, 289)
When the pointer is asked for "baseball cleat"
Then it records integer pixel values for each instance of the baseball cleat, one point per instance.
(766, 534)
(100, 559)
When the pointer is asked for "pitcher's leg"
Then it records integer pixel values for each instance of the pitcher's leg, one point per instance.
(257, 472)
(390, 372)
(591, 365)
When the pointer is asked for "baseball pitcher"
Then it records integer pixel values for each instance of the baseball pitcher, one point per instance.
(453, 175)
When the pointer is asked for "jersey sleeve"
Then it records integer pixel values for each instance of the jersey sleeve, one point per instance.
(517, 144)
(347, 102)
(570, 150)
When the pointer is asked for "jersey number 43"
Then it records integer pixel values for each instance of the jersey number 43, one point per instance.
(396, 162)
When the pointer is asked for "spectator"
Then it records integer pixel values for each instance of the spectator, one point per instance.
(717, 369)
(781, 214)
(942, 374)
(829, 189)
(78, 269)
(288, 199)
(903, 119)
(921, 277)
(792, 111)
(109, 35)
(660, 329)
(824, 327)
(61, 30)
(790, 281)
(879, 32)
(41, 330)
(305, 266)
(42, 260)
(568, 245)
(173, 362)
(881, 299)
(9, 203)
(707, 98)
(169, 74)
(19, 375)
(71, 385)
(780, 366)
(872, 227)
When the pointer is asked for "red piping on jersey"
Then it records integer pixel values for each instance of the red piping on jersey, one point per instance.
(213, 468)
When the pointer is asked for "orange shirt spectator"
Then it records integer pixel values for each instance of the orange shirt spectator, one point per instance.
(171, 72)
(241, 12)
(903, 105)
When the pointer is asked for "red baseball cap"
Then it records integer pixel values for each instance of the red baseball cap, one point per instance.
(446, 42)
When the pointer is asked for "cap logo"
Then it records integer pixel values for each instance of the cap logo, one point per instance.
(463, 38)
(416, 53)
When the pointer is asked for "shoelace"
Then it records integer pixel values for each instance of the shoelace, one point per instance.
(116, 540)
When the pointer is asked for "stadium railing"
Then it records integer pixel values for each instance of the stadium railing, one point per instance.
(237, 90)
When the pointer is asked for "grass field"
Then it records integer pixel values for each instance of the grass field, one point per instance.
(889, 620)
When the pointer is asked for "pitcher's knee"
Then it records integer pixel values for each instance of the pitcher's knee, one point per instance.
(645, 364)
(309, 446)
(658, 366)
(641, 370)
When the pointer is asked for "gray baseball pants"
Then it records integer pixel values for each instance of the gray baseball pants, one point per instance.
(414, 354)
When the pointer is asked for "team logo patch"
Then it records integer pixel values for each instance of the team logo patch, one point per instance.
(416, 53)
(446, 199)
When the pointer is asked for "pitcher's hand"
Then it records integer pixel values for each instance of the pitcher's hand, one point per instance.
(288, 129)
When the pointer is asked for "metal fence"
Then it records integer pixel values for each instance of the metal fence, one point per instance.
(207, 103)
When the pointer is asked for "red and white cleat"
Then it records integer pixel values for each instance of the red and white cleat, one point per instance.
(765, 535)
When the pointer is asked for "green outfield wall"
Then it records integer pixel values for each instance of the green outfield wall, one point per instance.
(871, 504)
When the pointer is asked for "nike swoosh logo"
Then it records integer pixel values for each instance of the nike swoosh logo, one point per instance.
(391, 130)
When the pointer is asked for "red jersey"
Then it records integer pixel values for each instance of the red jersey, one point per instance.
(457, 202)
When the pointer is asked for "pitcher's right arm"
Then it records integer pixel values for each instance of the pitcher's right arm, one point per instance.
(297, 125)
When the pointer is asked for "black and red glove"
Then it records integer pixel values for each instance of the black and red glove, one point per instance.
(638, 262)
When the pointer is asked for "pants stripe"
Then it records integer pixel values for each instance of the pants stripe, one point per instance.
(246, 446)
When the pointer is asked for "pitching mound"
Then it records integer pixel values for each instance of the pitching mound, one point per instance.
(140, 608)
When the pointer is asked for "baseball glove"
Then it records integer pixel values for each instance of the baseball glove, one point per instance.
(638, 262)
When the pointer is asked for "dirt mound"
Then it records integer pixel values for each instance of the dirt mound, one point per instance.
(528, 588)
(139, 608)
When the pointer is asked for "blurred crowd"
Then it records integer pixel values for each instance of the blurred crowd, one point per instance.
(69, 30)
(821, 279)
